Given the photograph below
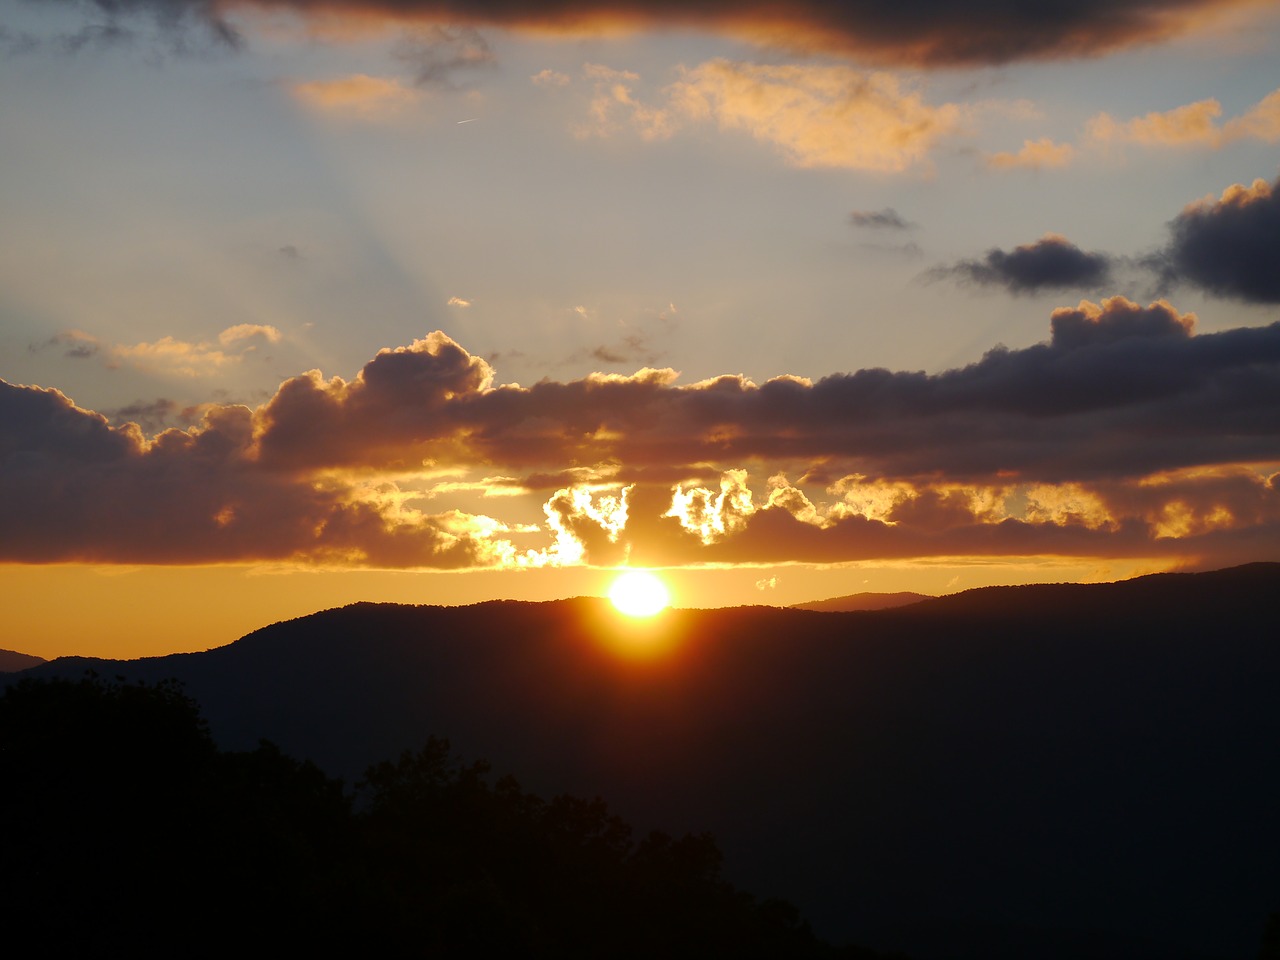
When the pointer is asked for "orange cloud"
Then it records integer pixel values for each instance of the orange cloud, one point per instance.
(816, 116)
(1034, 155)
(1193, 125)
(170, 355)
(247, 331)
(357, 95)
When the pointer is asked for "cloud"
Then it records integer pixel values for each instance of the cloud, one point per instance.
(1050, 263)
(1224, 512)
(458, 302)
(886, 219)
(916, 32)
(551, 78)
(197, 496)
(171, 355)
(181, 27)
(248, 331)
(168, 354)
(399, 396)
(1115, 382)
(438, 55)
(1262, 122)
(154, 416)
(1126, 433)
(1228, 246)
(586, 525)
(1191, 125)
(816, 116)
(633, 348)
(357, 94)
(1117, 319)
(1034, 155)
(75, 344)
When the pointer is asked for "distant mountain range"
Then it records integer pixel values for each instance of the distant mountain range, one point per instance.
(1039, 772)
(862, 601)
(11, 661)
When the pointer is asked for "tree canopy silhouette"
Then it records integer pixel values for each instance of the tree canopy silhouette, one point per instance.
(128, 825)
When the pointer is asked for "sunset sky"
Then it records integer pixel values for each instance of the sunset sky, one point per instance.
(304, 302)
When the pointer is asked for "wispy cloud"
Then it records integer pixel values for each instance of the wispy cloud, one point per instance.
(814, 116)
(445, 57)
(1192, 125)
(1034, 155)
(886, 219)
(169, 354)
(357, 95)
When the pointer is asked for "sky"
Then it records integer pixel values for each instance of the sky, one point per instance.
(304, 302)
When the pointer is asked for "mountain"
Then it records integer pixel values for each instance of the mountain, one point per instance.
(10, 661)
(1019, 772)
(862, 601)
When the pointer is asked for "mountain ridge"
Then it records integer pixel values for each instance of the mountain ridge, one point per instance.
(1094, 757)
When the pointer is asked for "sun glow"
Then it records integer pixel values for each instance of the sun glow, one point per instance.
(638, 593)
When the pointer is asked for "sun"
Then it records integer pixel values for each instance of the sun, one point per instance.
(638, 593)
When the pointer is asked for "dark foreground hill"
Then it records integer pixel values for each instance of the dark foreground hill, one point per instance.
(1026, 772)
(135, 829)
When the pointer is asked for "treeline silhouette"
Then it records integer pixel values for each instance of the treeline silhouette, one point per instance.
(127, 827)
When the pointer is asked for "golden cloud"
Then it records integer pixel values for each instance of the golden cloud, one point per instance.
(1192, 125)
(358, 95)
(1034, 155)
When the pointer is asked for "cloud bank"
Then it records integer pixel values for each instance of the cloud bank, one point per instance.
(914, 32)
(1126, 433)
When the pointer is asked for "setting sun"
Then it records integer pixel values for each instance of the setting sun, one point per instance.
(638, 593)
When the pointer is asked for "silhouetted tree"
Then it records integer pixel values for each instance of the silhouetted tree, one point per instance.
(1270, 949)
(127, 826)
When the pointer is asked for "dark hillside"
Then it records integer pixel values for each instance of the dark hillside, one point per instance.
(11, 661)
(1009, 772)
(862, 601)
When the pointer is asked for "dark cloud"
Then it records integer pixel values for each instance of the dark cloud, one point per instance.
(1229, 247)
(920, 32)
(633, 348)
(886, 219)
(154, 416)
(176, 18)
(1120, 389)
(73, 488)
(1085, 325)
(1051, 263)
(15, 44)
(181, 27)
(101, 36)
(74, 345)
(439, 55)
